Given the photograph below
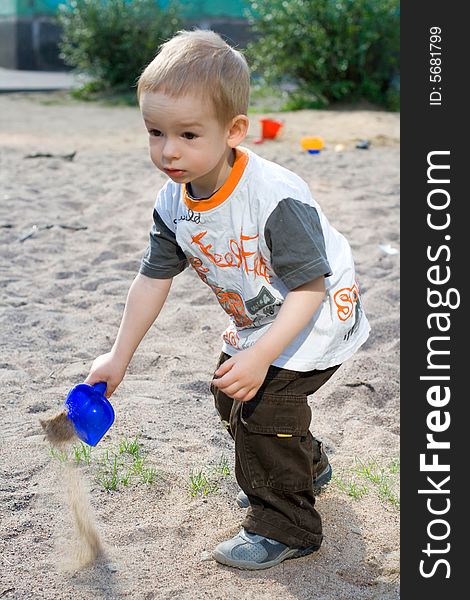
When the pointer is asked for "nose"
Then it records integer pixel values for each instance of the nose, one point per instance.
(170, 150)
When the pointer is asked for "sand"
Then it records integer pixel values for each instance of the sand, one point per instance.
(87, 549)
(58, 429)
(71, 235)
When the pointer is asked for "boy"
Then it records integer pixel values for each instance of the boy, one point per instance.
(255, 236)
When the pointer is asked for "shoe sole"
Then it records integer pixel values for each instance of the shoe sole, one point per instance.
(249, 566)
(318, 484)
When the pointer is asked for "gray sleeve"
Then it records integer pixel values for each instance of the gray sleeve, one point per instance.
(294, 236)
(163, 258)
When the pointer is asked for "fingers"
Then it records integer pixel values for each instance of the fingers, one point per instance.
(235, 390)
(230, 384)
(237, 379)
(94, 375)
(244, 394)
(239, 391)
(226, 380)
(93, 378)
(224, 367)
(110, 388)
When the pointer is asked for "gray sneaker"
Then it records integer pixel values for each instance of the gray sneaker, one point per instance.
(251, 551)
(319, 482)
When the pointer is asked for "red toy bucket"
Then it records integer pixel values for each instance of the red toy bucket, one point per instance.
(269, 130)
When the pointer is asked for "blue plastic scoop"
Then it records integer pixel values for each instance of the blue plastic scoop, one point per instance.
(90, 411)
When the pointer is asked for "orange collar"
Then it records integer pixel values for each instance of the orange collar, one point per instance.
(241, 160)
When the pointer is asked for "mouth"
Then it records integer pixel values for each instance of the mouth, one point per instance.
(174, 172)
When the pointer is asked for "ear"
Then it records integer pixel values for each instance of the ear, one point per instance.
(237, 130)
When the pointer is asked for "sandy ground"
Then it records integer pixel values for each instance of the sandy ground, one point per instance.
(62, 293)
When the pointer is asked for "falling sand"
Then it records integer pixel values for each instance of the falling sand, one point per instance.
(89, 546)
(59, 431)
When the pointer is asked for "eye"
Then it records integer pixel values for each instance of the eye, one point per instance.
(189, 136)
(155, 132)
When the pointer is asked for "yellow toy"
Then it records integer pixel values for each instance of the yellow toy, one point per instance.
(313, 145)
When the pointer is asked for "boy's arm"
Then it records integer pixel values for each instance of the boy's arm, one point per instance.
(145, 300)
(241, 376)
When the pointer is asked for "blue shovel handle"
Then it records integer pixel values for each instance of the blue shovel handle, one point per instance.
(100, 387)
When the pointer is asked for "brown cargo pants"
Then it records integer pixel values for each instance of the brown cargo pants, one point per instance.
(276, 455)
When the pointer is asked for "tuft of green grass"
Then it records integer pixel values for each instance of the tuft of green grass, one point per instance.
(117, 465)
(221, 468)
(384, 480)
(357, 490)
(109, 478)
(82, 453)
(138, 465)
(350, 487)
(130, 447)
(126, 478)
(148, 475)
(201, 484)
(394, 466)
(387, 494)
(371, 471)
(124, 465)
(206, 480)
(59, 455)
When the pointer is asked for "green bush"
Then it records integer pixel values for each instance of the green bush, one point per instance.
(330, 50)
(112, 40)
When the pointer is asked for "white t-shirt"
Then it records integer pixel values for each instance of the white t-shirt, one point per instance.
(255, 239)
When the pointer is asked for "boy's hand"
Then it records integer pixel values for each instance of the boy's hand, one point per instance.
(108, 368)
(241, 376)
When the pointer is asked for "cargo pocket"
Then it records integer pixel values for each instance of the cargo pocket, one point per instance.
(276, 442)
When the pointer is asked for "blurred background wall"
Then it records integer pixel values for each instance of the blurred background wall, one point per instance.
(29, 32)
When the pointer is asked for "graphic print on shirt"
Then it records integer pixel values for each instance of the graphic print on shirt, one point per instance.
(189, 215)
(232, 338)
(233, 305)
(263, 301)
(229, 300)
(348, 302)
(200, 269)
(237, 256)
(357, 319)
(345, 299)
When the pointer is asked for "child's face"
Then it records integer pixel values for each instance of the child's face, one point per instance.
(187, 142)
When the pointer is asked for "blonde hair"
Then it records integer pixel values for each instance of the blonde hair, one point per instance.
(200, 61)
